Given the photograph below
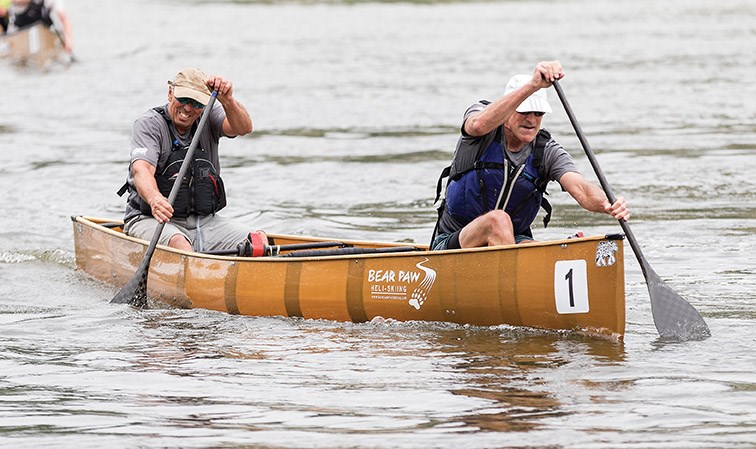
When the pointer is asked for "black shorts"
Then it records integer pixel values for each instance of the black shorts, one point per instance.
(446, 241)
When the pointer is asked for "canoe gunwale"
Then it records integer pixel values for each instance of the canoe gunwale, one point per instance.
(101, 222)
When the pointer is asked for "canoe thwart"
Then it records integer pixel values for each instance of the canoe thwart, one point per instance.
(349, 250)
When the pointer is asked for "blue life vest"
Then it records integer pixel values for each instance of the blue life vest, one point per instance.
(495, 182)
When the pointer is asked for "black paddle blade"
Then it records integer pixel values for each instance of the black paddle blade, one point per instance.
(135, 291)
(674, 317)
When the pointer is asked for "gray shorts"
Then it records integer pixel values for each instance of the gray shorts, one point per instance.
(215, 232)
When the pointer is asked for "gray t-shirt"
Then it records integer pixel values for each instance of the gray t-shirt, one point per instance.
(151, 142)
(556, 160)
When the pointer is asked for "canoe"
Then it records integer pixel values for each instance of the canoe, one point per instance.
(574, 284)
(33, 45)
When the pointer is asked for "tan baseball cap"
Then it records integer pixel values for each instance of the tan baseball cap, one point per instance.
(191, 83)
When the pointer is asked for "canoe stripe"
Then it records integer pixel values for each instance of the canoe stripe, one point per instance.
(355, 304)
(509, 305)
(229, 289)
(291, 289)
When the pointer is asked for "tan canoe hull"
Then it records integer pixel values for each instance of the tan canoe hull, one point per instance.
(575, 284)
(35, 45)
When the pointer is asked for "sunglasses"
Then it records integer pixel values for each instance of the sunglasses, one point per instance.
(191, 102)
(537, 113)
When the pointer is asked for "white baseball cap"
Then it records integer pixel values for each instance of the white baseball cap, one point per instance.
(537, 102)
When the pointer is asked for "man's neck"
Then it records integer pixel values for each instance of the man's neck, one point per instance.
(514, 144)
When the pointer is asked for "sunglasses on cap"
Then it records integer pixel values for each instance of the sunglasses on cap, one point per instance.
(191, 102)
(537, 113)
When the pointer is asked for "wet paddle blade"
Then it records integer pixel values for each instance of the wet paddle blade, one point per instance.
(135, 291)
(674, 317)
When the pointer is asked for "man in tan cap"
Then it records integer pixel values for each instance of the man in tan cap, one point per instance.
(501, 167)
(159, 144)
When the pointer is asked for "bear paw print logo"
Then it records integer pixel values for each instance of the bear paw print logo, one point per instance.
(420, 293)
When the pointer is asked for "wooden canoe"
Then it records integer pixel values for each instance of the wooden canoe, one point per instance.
(573, 284)
(34, 45)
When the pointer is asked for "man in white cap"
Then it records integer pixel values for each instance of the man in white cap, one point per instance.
(502, 164)
(159, 144)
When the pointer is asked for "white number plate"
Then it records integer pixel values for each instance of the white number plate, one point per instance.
(571, 286)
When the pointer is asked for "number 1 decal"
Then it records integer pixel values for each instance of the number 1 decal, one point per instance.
(571, 286)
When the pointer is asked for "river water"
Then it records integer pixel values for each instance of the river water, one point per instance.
(356, 107)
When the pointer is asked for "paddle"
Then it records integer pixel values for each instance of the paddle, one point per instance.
(135, 291)
(268, 250)
(58, 29)
(674, 317)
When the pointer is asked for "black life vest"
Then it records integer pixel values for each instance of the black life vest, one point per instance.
(201, 192)
(35, 12)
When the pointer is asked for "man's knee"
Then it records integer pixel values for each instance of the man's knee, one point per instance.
(180, 241)
(498, 228)
(492, 228)
(497, 220)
